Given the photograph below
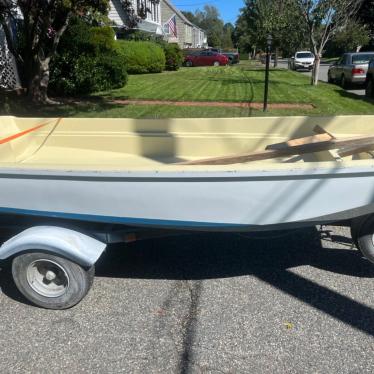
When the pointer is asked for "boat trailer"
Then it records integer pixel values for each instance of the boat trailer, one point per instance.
(53, 265)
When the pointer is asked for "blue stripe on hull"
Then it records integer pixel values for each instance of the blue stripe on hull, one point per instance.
(120, 220)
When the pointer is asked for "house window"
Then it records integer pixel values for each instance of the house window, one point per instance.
(151, 8)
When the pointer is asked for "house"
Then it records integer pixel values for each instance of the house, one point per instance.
(199, 38)
(152, 22)
(178, 29)
(9, 77)
(162, 19)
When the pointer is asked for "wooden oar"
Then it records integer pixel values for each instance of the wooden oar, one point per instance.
(354, 150)
(286, 151)
(19, 134)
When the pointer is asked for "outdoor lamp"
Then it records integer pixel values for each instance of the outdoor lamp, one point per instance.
(269, 40)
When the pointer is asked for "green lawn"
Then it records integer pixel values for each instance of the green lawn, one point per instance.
(243, 83)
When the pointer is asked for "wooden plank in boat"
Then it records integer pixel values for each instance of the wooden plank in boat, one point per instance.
(285, 151)
(350, 151)
(300, 141)
(322, 135)
(320, 130)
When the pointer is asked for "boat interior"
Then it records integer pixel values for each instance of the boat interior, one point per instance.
(95, 143)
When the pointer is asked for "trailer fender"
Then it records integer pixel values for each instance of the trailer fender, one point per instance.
(73, 245)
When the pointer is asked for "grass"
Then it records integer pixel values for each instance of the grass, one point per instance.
(242, 83)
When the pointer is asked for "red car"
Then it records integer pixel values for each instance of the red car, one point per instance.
(206, 58)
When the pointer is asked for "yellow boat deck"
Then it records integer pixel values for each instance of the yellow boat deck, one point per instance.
(129, 144)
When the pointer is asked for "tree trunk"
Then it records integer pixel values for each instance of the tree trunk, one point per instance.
(315, 72)
(38, 86)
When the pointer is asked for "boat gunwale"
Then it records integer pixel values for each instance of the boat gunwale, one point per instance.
(363, 168)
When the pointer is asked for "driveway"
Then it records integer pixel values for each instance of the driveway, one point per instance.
(324, 68)
(283, 302)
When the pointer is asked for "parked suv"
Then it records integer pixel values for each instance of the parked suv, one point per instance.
(369, 84)
(206, 58)
(301, 60)
(351, 68)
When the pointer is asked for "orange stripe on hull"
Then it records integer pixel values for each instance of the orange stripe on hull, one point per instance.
(19, 134)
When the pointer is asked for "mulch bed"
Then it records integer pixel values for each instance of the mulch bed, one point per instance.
(215, 104)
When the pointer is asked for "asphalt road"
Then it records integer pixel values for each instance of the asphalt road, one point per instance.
(299, 302)
(323, 76)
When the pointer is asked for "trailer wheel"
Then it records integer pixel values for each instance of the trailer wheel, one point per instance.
(365, 238)
(356, 227)
(50, 281)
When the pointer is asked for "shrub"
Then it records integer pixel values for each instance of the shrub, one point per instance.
(141, 57)
(87, 61)
(173, 55)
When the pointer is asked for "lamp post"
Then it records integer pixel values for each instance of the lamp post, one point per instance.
(269, 40)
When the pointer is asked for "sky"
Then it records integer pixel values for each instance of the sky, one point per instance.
(229, 9)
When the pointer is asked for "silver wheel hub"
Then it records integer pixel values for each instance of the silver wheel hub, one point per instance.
(47, 278)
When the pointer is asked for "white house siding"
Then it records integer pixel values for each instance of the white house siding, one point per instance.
(9, 78)
(116, 13)
(199, 38)
(188, 40)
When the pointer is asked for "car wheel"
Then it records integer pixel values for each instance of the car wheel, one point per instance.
(369, 90)
(216, 63)
(343, 82)
(189, 64)
(329, 78)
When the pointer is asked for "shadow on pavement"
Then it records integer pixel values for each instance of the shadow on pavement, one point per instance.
(351, 95)
(206, 256)
(267, 256)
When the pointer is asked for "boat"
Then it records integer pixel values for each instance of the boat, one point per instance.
(215, 174)
(70, 186)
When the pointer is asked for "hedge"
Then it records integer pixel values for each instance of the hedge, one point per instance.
(87, 60)
(173, 55)
(141, 57)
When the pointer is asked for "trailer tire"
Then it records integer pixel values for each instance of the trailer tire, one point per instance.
(51, 282)
(365, 238)
(356, 227)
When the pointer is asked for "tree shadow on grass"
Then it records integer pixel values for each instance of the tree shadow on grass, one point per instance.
(67, 107)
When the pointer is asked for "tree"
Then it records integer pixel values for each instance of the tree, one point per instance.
(40, 28)
(323, 19)
(352, 37)
(280, 18)
(228, 31)
(365, 15)
(39, 33)
(242, 35)
(191, 17)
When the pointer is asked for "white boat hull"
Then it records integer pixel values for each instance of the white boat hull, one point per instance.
(243, 200)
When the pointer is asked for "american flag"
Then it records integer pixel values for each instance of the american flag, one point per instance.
(172, 23)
